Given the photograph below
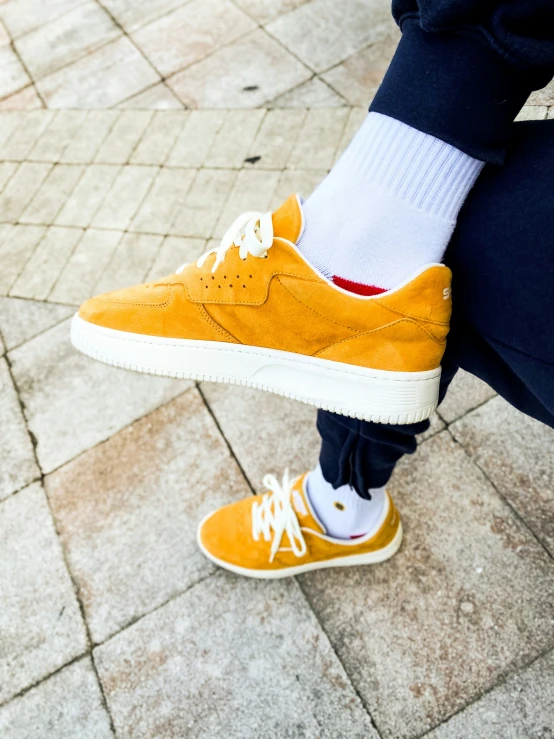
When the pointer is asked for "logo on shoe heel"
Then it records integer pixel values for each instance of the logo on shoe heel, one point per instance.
(447, 293)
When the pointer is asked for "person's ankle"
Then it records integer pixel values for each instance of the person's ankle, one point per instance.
(387, 208)
(343, 512)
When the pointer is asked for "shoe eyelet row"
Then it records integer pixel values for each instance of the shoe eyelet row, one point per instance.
(224, 277)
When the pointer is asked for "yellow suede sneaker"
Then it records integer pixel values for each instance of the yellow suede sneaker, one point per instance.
(254, 312)
(278, 535)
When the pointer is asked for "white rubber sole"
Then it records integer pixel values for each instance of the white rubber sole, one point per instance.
(358, 392)
(354, 560)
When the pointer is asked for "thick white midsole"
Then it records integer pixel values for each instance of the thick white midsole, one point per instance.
(370, 558)
(359, 392)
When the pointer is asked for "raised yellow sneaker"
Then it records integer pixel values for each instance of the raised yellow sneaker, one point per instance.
(278, 535)
(254, 312)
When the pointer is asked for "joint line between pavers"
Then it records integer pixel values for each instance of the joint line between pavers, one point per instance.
(250, 485)
(339, 660)
(54, 524)
(27, 72)
(163, 78)
(262, 27)
(469, 410)
(508, 674)
(30, 687)
(502, 497)
(136, 619)
(227, 442)
(130, 38)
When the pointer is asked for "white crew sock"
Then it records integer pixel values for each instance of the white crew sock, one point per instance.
(342, 512)
(388, 207)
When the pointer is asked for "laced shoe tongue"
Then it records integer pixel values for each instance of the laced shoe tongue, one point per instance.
(288, 220)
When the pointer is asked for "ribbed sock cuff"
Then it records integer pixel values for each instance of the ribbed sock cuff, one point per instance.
(427, 173)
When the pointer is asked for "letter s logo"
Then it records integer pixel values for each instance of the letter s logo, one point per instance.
(447, 293)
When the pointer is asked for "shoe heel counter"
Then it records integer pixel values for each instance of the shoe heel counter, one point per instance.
(428, 297)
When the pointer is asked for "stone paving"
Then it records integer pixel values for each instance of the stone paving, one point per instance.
(175, 54)
(180, 115)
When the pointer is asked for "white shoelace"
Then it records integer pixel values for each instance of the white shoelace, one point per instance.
(275, 512)
(252, 232)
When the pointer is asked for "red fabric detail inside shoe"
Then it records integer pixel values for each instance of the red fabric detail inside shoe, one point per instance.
(357, 287)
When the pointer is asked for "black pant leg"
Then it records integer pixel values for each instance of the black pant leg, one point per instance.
(502, 259)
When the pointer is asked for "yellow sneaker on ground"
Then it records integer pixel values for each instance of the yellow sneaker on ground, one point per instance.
(254, 312)
(278, 535)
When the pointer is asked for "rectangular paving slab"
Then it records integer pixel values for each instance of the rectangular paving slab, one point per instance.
(101, 79)
(465, 393)
(21, 320)
(520, 708)
(16, 247)
(468, 597)
(222, 80)
(41, 628)
(73, 402)
(127, 511)
(516, 452)
(66, 706)
(323, 33)
(47, 261)
(231, 658)
(18, 467)
(267, 432)
(191, 33)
